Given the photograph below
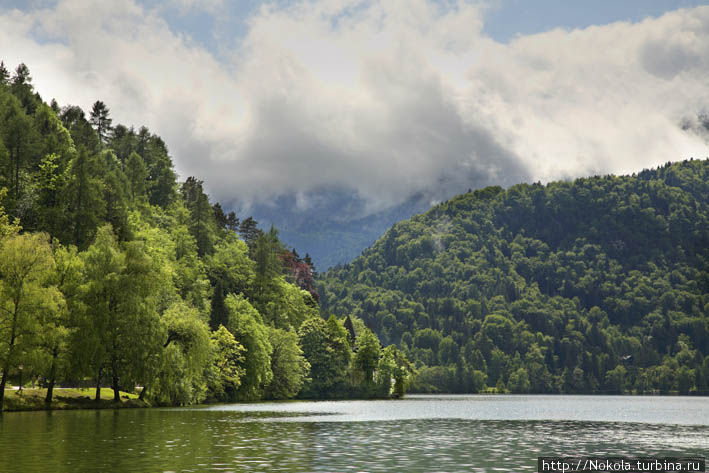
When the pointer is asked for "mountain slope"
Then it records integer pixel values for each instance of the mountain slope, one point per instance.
(335, 226)
(601, 284)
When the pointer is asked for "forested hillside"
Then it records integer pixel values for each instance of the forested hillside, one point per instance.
(113, 273)
(595, 285)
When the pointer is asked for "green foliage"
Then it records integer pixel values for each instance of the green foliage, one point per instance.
(288, 364)
(595, 285)
(185, 360)
(231, 271)
(27, 299)
(137, 273)
(393, 372)
(247, 326)
(122, 327)
(366, 358)
(226, 371)
(328, 353)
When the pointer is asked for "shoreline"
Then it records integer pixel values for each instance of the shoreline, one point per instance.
(32, 399)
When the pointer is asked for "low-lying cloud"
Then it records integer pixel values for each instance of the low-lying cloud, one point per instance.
(382, 97)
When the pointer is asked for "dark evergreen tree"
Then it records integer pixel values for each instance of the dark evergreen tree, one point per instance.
(202, 225)
(249, 231)
(4, 74)
(101, 121)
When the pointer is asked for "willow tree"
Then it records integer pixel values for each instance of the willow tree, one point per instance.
(246, 325)
(122, 326)
(288, 364)
(26, 297)
(58, 328)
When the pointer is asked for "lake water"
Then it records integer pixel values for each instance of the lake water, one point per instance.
(418, 434)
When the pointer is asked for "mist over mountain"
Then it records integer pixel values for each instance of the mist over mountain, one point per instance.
(334, 225)
(334, 228)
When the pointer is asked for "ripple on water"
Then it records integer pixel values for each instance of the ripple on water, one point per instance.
(223, 440)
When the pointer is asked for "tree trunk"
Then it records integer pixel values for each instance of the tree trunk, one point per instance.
(2, 389)
(98, 385)
(6, 368)
(17, 178)
(116, 392)
(52, 377)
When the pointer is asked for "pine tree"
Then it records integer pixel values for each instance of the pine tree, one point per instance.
(4, 74)
(100, 121)
(249, 231)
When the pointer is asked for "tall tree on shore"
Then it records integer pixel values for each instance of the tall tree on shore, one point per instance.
(122, 325)
(26, 266)
(58, 327)
(246, 325)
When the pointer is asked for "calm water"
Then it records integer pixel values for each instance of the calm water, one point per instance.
(419, 434)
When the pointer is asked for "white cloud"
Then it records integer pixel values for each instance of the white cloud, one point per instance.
(383, 97)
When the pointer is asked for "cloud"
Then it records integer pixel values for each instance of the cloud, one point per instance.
(384, 98)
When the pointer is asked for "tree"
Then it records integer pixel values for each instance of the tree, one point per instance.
(393, 372)
(232, 221)
(85, 198)
(249, 231)
(367, 355)
(100, 121)
(288, 364)
(185, 358)
(219, 216)
(246, 325)
(202, 223)
(19, 138)
(227, 369)
(82, 133)
(4, 74)
(21, 87)
(7, 228)
(616, 379)
(22, 75)
(519, 381)
(230, 271)
(137, 175)
(61, 325)
(122, 329)
(268, 267)
(116, 195)
(26, 298)
(326, 348)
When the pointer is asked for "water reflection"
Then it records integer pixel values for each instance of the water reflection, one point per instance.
(280, 440)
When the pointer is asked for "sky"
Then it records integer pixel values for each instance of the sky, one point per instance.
(383, 98)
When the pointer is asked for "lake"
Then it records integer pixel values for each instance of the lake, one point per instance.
(473, 433)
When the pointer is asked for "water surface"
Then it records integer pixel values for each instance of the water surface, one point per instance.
(419, 434)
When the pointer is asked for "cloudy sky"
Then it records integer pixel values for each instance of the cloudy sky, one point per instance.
(381, 97)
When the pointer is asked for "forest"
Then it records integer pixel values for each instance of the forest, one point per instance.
(114, 274)
(596, 285)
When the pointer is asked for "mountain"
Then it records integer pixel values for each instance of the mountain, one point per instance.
(595, 285)
(333, 225)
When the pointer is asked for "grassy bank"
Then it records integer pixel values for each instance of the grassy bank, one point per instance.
(67, 398)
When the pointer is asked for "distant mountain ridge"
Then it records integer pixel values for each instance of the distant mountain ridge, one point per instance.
(335, 226)
(595, 285)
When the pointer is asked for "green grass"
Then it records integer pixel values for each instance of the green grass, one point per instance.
(67, 398)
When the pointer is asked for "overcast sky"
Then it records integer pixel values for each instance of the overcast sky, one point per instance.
(381, 97)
